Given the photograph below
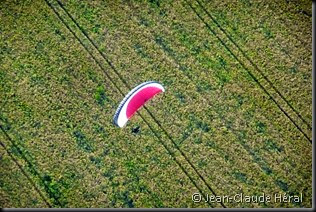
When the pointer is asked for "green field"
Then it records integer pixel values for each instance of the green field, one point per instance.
(236, 116)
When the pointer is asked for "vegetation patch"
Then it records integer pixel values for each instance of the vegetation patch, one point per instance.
(82, 141)
(100, 95)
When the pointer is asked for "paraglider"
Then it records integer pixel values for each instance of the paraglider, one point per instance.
(134, 100)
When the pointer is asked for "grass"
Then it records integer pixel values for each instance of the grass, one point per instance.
(213, 130)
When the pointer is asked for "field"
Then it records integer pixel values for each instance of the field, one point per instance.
(236, 116)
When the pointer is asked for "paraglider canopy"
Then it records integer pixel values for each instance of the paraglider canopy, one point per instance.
(134, 100)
